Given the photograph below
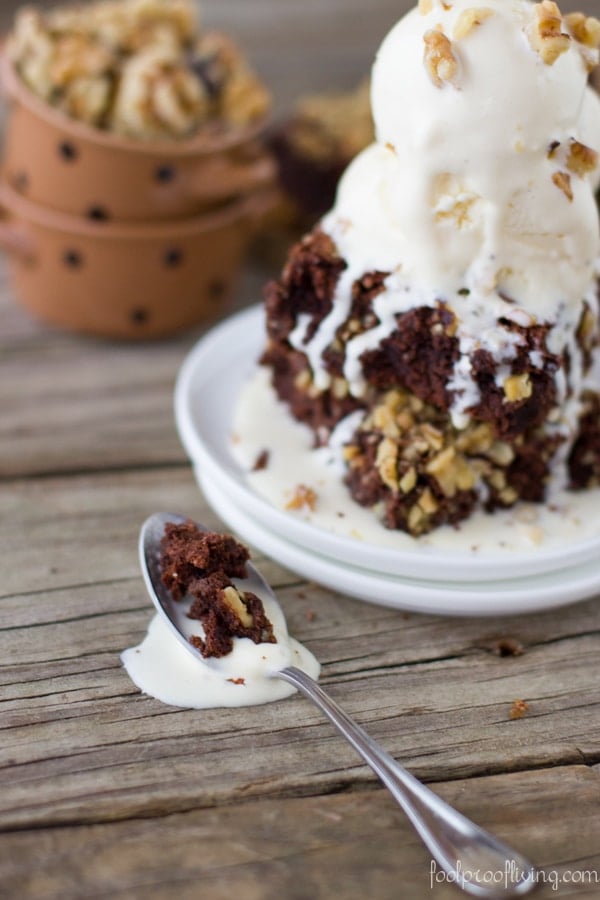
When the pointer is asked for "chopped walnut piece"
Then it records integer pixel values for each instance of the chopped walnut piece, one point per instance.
(244, 98)
(428, 503)
(585, 29)
(586, 331)
(470, 19)
(237, 680)
(442, 461)
(386, 462)
(451, 471)
(508, 647)
(303, 497)
(432, 435)
(581, 159)
(384, 419)
(517, 387)
(500, 453)
(235, 601)
(545, 35)
(340, 388)
(158, 95)
(138, 67)
(508, 496)
(408, 480)
(415, 518)
(562, 180)
(76, 56)
(350, 452)
(303, 379)
(439, 58)
(518, 709)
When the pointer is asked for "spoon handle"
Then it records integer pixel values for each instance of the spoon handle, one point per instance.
(469, 856)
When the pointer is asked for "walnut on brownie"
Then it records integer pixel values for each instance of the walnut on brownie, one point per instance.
(202, 565)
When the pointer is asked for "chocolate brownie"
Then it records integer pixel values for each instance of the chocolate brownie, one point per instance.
(202, 565)
(407, 460)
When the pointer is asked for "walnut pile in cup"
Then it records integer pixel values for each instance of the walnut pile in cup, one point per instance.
(139, 68)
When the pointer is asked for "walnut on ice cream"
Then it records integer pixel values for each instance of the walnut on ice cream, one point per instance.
(440, 60)
(545, 33)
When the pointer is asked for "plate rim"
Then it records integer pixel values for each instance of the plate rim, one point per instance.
(303, 533)
(430, 598)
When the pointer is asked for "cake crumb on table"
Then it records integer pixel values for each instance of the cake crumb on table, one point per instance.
(518, 709)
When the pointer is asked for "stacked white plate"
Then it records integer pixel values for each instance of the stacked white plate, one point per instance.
(422, 578)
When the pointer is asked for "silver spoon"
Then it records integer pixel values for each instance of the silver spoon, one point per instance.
(469, 856)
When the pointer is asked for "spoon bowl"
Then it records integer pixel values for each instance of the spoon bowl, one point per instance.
(470, 857)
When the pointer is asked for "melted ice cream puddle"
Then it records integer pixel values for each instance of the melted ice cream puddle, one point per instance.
(162, 668)
(568, 517)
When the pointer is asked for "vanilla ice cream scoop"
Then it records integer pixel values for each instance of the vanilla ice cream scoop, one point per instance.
(494, 147)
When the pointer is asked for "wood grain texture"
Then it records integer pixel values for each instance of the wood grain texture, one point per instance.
(80, 744)
(344, 845)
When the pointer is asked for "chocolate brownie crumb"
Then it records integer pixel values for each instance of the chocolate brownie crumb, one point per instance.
(514, 416)
(188, 554)
(584, 460)
(419, 355)
(518, 709)
(227, 612)
(262, 461)
(306, 287)
(202, 564)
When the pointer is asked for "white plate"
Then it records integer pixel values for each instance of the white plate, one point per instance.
(208, 387)
(454, 599)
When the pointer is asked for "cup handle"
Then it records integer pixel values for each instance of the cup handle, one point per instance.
(16, 240)
(223, 178)
(8, 76)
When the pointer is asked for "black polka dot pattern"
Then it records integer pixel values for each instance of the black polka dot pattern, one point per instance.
(20, 182)
(73, 259)
(173, 257)
(165, 174)
(68, 151)
(216, 290)
(98, 214)
(139, 316)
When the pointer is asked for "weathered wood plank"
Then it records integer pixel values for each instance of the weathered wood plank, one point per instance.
(345, 845)
(80, 744)
(72, 404)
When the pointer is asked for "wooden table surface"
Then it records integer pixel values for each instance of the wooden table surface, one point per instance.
(107, 793)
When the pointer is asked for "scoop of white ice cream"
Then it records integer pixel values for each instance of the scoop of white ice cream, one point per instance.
(485, 171)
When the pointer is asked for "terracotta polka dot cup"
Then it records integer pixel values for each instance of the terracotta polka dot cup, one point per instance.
(74, 168)
(121, 280)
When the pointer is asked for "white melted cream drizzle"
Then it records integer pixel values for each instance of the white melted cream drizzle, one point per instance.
(162, 668)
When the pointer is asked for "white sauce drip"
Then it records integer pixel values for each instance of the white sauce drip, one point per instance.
(162, 668)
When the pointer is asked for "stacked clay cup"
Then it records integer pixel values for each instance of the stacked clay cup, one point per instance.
(120, 237)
